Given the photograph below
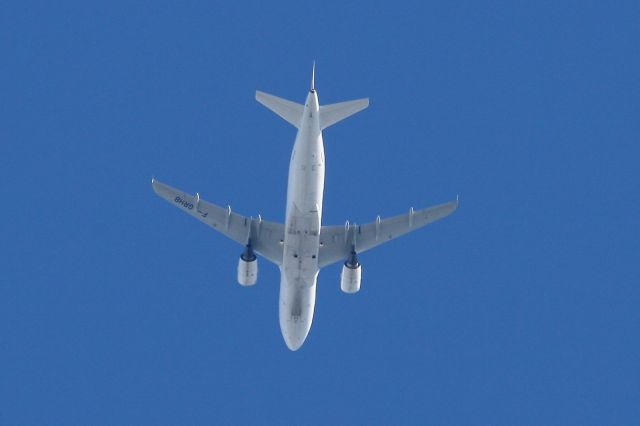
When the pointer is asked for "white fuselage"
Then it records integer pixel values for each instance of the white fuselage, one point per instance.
(299, 270)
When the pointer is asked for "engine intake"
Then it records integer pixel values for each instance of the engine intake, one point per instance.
(248, 267)
(351, 274)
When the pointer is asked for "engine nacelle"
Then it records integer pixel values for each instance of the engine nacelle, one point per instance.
(351, 273)
(247, 272)
(247, 268)
(350, 278)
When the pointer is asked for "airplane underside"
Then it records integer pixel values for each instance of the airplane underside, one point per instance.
(302, 245)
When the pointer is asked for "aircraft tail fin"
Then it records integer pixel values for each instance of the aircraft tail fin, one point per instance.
(290, 111)
(332, 113)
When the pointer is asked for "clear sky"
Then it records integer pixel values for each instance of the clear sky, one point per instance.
(522, 308)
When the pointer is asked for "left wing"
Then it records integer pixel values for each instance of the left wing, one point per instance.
(336, 242)
(266, 237)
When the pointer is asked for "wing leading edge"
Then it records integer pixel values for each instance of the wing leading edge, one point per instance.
(266, 237)
(336, 241)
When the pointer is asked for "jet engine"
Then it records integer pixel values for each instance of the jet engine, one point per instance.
(248, 267)
(351, 274)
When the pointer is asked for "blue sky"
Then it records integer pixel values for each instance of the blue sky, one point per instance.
(519, 309)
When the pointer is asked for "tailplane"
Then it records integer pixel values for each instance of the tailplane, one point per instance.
(332, 113)
(290, 111)
(329, 114)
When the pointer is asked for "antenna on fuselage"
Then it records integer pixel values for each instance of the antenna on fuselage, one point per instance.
(313, 77)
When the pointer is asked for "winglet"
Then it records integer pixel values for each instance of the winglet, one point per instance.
(313, 77)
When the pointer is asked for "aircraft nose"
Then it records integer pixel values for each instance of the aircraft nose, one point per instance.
(293, 342)
(294, 332)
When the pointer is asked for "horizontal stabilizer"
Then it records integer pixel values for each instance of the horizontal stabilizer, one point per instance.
(290, 111)
(331, 114)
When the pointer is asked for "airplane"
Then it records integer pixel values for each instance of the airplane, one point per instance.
(302, 245)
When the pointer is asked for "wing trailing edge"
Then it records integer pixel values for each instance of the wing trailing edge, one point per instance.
(266, 237)
(336, 242)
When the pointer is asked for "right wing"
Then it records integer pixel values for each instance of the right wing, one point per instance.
(336, 241)
(266, 237)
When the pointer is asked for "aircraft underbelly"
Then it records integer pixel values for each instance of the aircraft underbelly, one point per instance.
(299, 270)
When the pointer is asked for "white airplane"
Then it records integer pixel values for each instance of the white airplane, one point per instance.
(301, 246)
